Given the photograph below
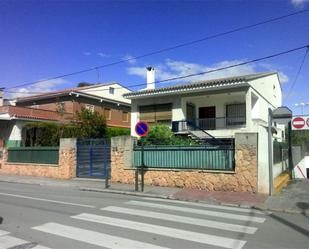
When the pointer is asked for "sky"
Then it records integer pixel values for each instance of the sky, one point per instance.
(44, 39)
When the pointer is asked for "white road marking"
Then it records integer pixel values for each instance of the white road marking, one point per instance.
(2, 232)
(183, 219)
(8, 241)
(237, 209)
(198, 211)
(48, 200)
(164, 231)
(94, 238)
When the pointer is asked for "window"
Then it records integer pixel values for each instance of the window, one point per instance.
(60, 107)
(107, 113)
(236, 114)
(111, 90)
(156, 113)
(125, 116)
(89, 107)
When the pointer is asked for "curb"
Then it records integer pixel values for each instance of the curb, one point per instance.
(114, 191)
(170, 197)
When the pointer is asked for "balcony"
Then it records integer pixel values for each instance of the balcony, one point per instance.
(31, 113)
(219, 123)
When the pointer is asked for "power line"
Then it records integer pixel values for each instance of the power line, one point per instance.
(298, 73)
(168, 48)
(218, 69)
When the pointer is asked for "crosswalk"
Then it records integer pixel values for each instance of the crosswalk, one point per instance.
(159, 223)
(7, 241)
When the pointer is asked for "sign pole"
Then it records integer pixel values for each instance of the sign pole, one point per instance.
(141, 129)
(270, 152)
(290, 146)
(142, 165)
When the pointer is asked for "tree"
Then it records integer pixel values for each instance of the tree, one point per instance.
(90, 124)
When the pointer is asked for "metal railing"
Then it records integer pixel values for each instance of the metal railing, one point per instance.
(185, 157)
(209, 123)
(36, 155)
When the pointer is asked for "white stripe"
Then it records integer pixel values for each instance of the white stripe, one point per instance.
(94, 238)
(164, 231)
(298, 122)
(2, 232)
(47, 200)
(40, 247)
(245, 210)
(198, 211)
(8, 241)
(183, 219)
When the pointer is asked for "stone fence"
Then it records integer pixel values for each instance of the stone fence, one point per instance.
(65, 169)
(243, 178)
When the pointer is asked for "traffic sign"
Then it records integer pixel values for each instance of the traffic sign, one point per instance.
(300, 123)
(141, 128)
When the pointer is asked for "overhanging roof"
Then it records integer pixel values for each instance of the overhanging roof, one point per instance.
(228, 82)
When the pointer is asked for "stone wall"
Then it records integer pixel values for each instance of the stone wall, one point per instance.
(65, 169)
(243, 179)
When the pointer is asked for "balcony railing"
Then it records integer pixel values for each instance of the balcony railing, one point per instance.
(210, 123)
(32, 113)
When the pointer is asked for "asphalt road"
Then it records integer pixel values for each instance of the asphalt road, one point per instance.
(42, 217)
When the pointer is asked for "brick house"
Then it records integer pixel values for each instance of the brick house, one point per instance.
(60, 106)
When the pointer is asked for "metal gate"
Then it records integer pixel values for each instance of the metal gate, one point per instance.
(93, 158)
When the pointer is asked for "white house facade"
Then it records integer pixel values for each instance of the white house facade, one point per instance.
(220, 107)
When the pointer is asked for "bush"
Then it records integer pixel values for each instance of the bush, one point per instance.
(160, 134)
(115, 131)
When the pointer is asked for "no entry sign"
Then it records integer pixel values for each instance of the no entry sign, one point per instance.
(141, 128)
(300, 123)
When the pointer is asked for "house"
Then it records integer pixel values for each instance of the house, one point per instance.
(60, 106)
(217, 108)
(220, 106)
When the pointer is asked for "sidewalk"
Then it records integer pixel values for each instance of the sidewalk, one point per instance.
(293, 199)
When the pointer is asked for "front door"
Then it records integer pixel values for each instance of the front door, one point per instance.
(191, 113)
(207, 118)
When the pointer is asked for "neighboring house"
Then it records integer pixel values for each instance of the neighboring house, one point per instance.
(60, 106)
(220, 107)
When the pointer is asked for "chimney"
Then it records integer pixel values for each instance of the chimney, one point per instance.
(1, 96)
(150, 78)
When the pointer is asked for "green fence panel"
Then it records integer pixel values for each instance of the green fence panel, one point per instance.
(168, 157)
(38, 155)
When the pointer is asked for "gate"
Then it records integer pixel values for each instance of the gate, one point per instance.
(93, 158)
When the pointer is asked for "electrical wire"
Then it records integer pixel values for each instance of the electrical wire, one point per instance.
(298, 73)
(216, 69)
(166, 49)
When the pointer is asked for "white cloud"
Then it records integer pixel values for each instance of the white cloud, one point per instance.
(299, 3)
(86, 53)
(130, 59)
(172, 69)
(103, 55)
(41, 87)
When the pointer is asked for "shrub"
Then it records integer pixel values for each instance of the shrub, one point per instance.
(160, 134)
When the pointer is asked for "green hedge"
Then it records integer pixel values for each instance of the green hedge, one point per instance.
(49, 133)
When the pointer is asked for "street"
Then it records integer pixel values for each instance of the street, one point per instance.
(41, 217)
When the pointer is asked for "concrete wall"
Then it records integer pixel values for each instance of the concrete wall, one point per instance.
(65, 169)
(243, 179)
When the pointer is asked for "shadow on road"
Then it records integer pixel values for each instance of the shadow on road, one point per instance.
(304, 206)
(291, 225)
(1, 220)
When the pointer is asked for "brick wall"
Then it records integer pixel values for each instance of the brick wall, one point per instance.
(243, 179)
(65, 169)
